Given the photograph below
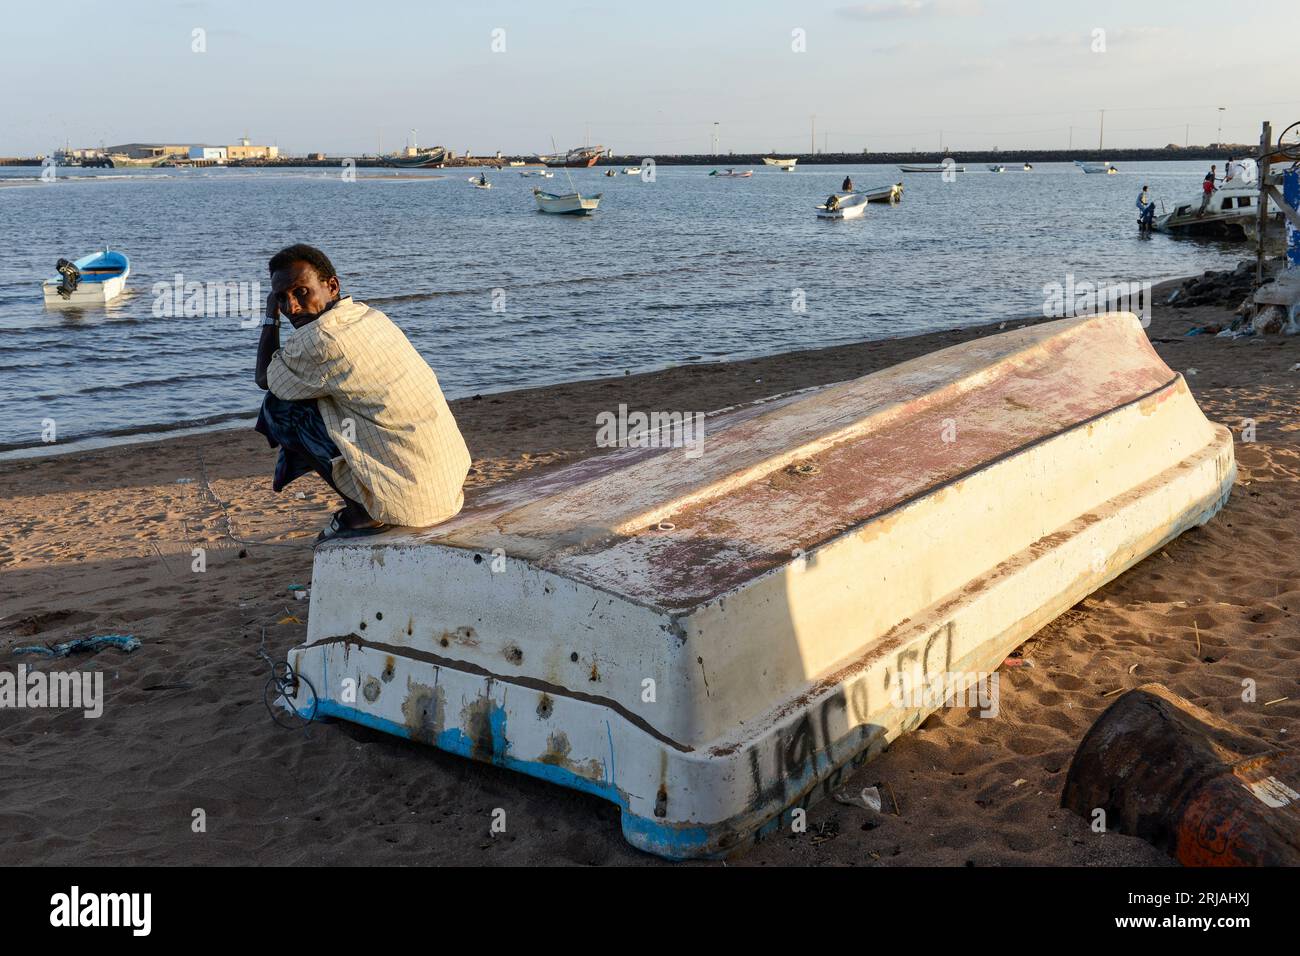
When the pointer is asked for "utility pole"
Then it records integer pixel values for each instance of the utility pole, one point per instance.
(1071, 146)
(1187, 135)
(812, 136)
(1265, 148)
(715, 139)
(825, 141)
(1101, 132)
(1219, 141)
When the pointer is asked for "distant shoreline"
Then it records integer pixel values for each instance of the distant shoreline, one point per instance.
(1005, 156)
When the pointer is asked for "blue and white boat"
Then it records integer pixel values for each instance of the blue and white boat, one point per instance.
(1103, 168)
(91, 280)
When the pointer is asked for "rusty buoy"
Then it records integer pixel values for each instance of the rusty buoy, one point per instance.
(1172, 773)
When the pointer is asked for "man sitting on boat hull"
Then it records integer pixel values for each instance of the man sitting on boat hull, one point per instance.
(350, 398)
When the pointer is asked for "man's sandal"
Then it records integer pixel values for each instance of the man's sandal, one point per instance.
(337, 530)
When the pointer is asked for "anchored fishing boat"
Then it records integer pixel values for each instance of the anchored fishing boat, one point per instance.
(784, 164)
(1096, 168)
(887, 193)
(710, 631)
(573, 204)
(933, 168)
(732, 174)
(91, 280)
(631, 170)
(1232, 212)
(997, 169)
(846, 206)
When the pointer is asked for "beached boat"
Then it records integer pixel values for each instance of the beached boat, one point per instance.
(91, 280)
(846, 206)
(417, 158)
(631, 170)
(785, 164)
(516, 162)
(887, 193)
(933, 168)
(572, 204)
(732, 174)
(1096, 168)
(1232, 212)
(710, 631)
(576, 158)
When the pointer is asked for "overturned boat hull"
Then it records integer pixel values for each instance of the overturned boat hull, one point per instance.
(712, 634)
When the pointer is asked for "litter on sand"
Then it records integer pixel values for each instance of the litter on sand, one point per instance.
(123, 642)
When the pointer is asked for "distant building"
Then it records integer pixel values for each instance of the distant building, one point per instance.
(246, 150)
(154, 151)
(216, 154)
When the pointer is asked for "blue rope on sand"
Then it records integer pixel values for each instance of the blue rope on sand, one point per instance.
(123, 642)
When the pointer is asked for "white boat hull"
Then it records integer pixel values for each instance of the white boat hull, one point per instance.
(573, 204)
(711, 640)
(87, 293)
(103, 279)
(934, 168)
(852, 206)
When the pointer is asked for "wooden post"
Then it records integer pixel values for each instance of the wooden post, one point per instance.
(1265, 147)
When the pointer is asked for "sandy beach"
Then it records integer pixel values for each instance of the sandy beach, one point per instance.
(100, 543)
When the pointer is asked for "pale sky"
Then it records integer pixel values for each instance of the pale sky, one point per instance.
(346, 77)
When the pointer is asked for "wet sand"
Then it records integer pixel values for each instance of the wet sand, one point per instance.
(100, 542)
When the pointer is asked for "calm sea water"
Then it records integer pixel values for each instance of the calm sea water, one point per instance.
(689, 268)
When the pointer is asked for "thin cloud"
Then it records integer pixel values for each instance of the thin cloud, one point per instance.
(910, 9)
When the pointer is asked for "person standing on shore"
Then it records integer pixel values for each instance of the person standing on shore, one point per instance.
(350, 398)
(1207, 190)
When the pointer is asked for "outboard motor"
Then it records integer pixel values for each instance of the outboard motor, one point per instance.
(71, 276)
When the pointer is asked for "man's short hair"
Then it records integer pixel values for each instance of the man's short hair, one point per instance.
(301, 252)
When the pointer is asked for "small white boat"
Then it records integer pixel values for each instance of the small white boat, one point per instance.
(784, 164)
(479, 183)
(997, 169)
(516, 162)
(847, 206)
(527, 172)
(91, 280)
(1028, 168)
(933, 168)
(570, 204)
(732, 174)
(546, 174)
(1095, 168)
(886, 193)
(631, 170)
